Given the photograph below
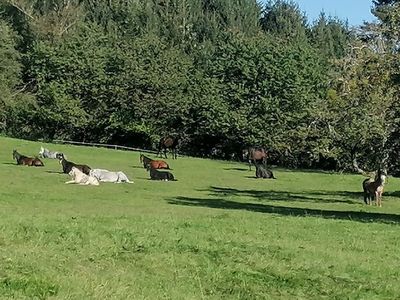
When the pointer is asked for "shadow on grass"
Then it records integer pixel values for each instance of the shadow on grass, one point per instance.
(392, 194)
(138, 167)
(237, 169)
(55, 172)
(365, 217)
(8, 163)
(308, 196)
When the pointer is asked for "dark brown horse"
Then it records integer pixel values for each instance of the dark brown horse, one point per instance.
(67, 165)
(27, 161)
(168, 142)
(255, 155)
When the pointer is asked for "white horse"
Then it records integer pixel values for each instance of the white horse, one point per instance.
(46, 153)
(108, 176)
(81, 178)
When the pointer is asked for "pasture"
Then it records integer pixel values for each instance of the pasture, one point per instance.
(216, 233)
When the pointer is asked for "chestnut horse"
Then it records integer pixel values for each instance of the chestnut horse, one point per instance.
(168, 142)
(255, 155)
(149, 163)
(27, 161)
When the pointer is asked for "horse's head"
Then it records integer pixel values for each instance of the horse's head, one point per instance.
(60, 157)
(15, 154)
(245, 154)
(381, 176)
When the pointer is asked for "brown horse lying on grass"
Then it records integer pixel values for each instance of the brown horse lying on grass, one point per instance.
(27, 161)
(153, 164)
(161, 175)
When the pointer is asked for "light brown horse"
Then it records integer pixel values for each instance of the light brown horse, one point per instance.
(157, 164)
(374, 188)
(149, 163)
(27, 161)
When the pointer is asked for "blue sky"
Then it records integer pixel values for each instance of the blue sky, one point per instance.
(355, 11)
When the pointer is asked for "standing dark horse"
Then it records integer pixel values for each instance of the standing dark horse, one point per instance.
(168, 142)
(255, 155)
(374, 188)
(27, 161)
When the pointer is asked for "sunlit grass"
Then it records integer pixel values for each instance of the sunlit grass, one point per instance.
(216, 233)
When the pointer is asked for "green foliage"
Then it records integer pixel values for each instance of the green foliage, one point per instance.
(284, 20)
(331, 36)
(221, 74)
(13, 100)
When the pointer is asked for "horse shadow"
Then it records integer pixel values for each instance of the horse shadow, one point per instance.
(219, 203)
(8, 163)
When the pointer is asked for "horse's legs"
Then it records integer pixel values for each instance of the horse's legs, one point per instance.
(379, 198)
(376, 198)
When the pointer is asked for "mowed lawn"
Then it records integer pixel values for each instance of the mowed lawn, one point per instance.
(216, 233)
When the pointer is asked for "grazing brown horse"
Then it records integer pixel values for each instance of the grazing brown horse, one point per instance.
(374, 188)
(168, 142)
(27, 161)
(255, 155)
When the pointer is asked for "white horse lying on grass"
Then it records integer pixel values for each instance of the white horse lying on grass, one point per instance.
(108, 176)
(81, 178)
(46, 153)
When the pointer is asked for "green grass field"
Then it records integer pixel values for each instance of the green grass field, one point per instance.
(216, 233)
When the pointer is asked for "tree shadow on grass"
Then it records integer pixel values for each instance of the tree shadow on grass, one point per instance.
(365, 217)
(308, 196)
(138, 167)
(237, 169)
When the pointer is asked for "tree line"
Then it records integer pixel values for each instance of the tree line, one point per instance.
(220, 74)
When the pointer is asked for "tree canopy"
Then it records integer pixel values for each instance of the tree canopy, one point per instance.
(222, 74)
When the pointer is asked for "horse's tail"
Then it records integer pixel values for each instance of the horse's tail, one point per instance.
(364, 184)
